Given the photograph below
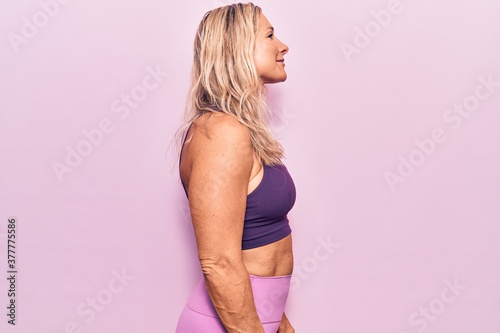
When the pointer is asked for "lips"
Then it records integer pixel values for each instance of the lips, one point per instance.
(282, 60)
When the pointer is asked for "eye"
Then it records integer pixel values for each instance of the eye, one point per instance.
(270, 36)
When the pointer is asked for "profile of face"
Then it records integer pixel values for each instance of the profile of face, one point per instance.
(269, 53)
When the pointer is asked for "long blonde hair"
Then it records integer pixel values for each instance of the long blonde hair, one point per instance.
(224, 77)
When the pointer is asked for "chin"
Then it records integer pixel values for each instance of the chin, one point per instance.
(275, 80)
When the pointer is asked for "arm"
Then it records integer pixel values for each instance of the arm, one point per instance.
(285, 326)
(221, 166)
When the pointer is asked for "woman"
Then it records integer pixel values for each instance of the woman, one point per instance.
(230, 166)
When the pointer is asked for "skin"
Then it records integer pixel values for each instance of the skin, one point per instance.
(269, 50)
(217, 201)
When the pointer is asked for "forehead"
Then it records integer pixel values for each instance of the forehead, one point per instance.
(264, 22)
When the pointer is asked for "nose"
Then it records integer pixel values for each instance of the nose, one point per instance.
(283, 48)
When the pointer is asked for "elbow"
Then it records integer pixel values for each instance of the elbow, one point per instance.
(220, 266)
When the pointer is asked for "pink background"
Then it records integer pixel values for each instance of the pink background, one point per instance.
(419, 255)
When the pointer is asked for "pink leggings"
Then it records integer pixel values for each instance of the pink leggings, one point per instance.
(269, 292)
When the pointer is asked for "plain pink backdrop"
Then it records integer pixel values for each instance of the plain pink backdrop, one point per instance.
(369, 84)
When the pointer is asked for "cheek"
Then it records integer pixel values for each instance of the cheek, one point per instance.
(265, 58)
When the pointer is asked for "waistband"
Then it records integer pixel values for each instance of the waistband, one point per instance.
(270, 294)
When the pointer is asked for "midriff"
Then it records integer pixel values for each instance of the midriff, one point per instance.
(273, 259)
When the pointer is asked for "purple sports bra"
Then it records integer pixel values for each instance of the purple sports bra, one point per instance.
(266, 218)
(267, 207)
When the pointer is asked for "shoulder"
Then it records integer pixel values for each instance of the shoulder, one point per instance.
(218, 125)
(218, 140)
(221, 132)
(221, 147)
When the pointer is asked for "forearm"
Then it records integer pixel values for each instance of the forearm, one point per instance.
(230, 290)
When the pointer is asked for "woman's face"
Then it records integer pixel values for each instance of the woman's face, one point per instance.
(269, 52)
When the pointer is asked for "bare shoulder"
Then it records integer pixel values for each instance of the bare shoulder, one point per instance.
(221, 134)
(219, 144)
(219, 125)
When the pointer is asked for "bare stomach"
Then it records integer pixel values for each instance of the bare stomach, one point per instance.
(274, 259)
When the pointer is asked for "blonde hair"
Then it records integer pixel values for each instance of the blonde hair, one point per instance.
(224, 77)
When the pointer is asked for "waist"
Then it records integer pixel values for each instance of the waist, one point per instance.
(270, 295)
(274, 259)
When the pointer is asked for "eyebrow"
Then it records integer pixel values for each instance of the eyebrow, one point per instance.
(270, 28)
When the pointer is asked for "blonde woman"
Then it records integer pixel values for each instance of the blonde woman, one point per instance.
(238, 189)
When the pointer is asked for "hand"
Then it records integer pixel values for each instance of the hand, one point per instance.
(285, 326)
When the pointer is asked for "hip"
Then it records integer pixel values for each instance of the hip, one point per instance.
(270, 295)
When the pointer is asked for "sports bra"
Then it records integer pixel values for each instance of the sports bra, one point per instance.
(267, 206)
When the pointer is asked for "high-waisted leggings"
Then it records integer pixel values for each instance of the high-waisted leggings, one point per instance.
(270, 294)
